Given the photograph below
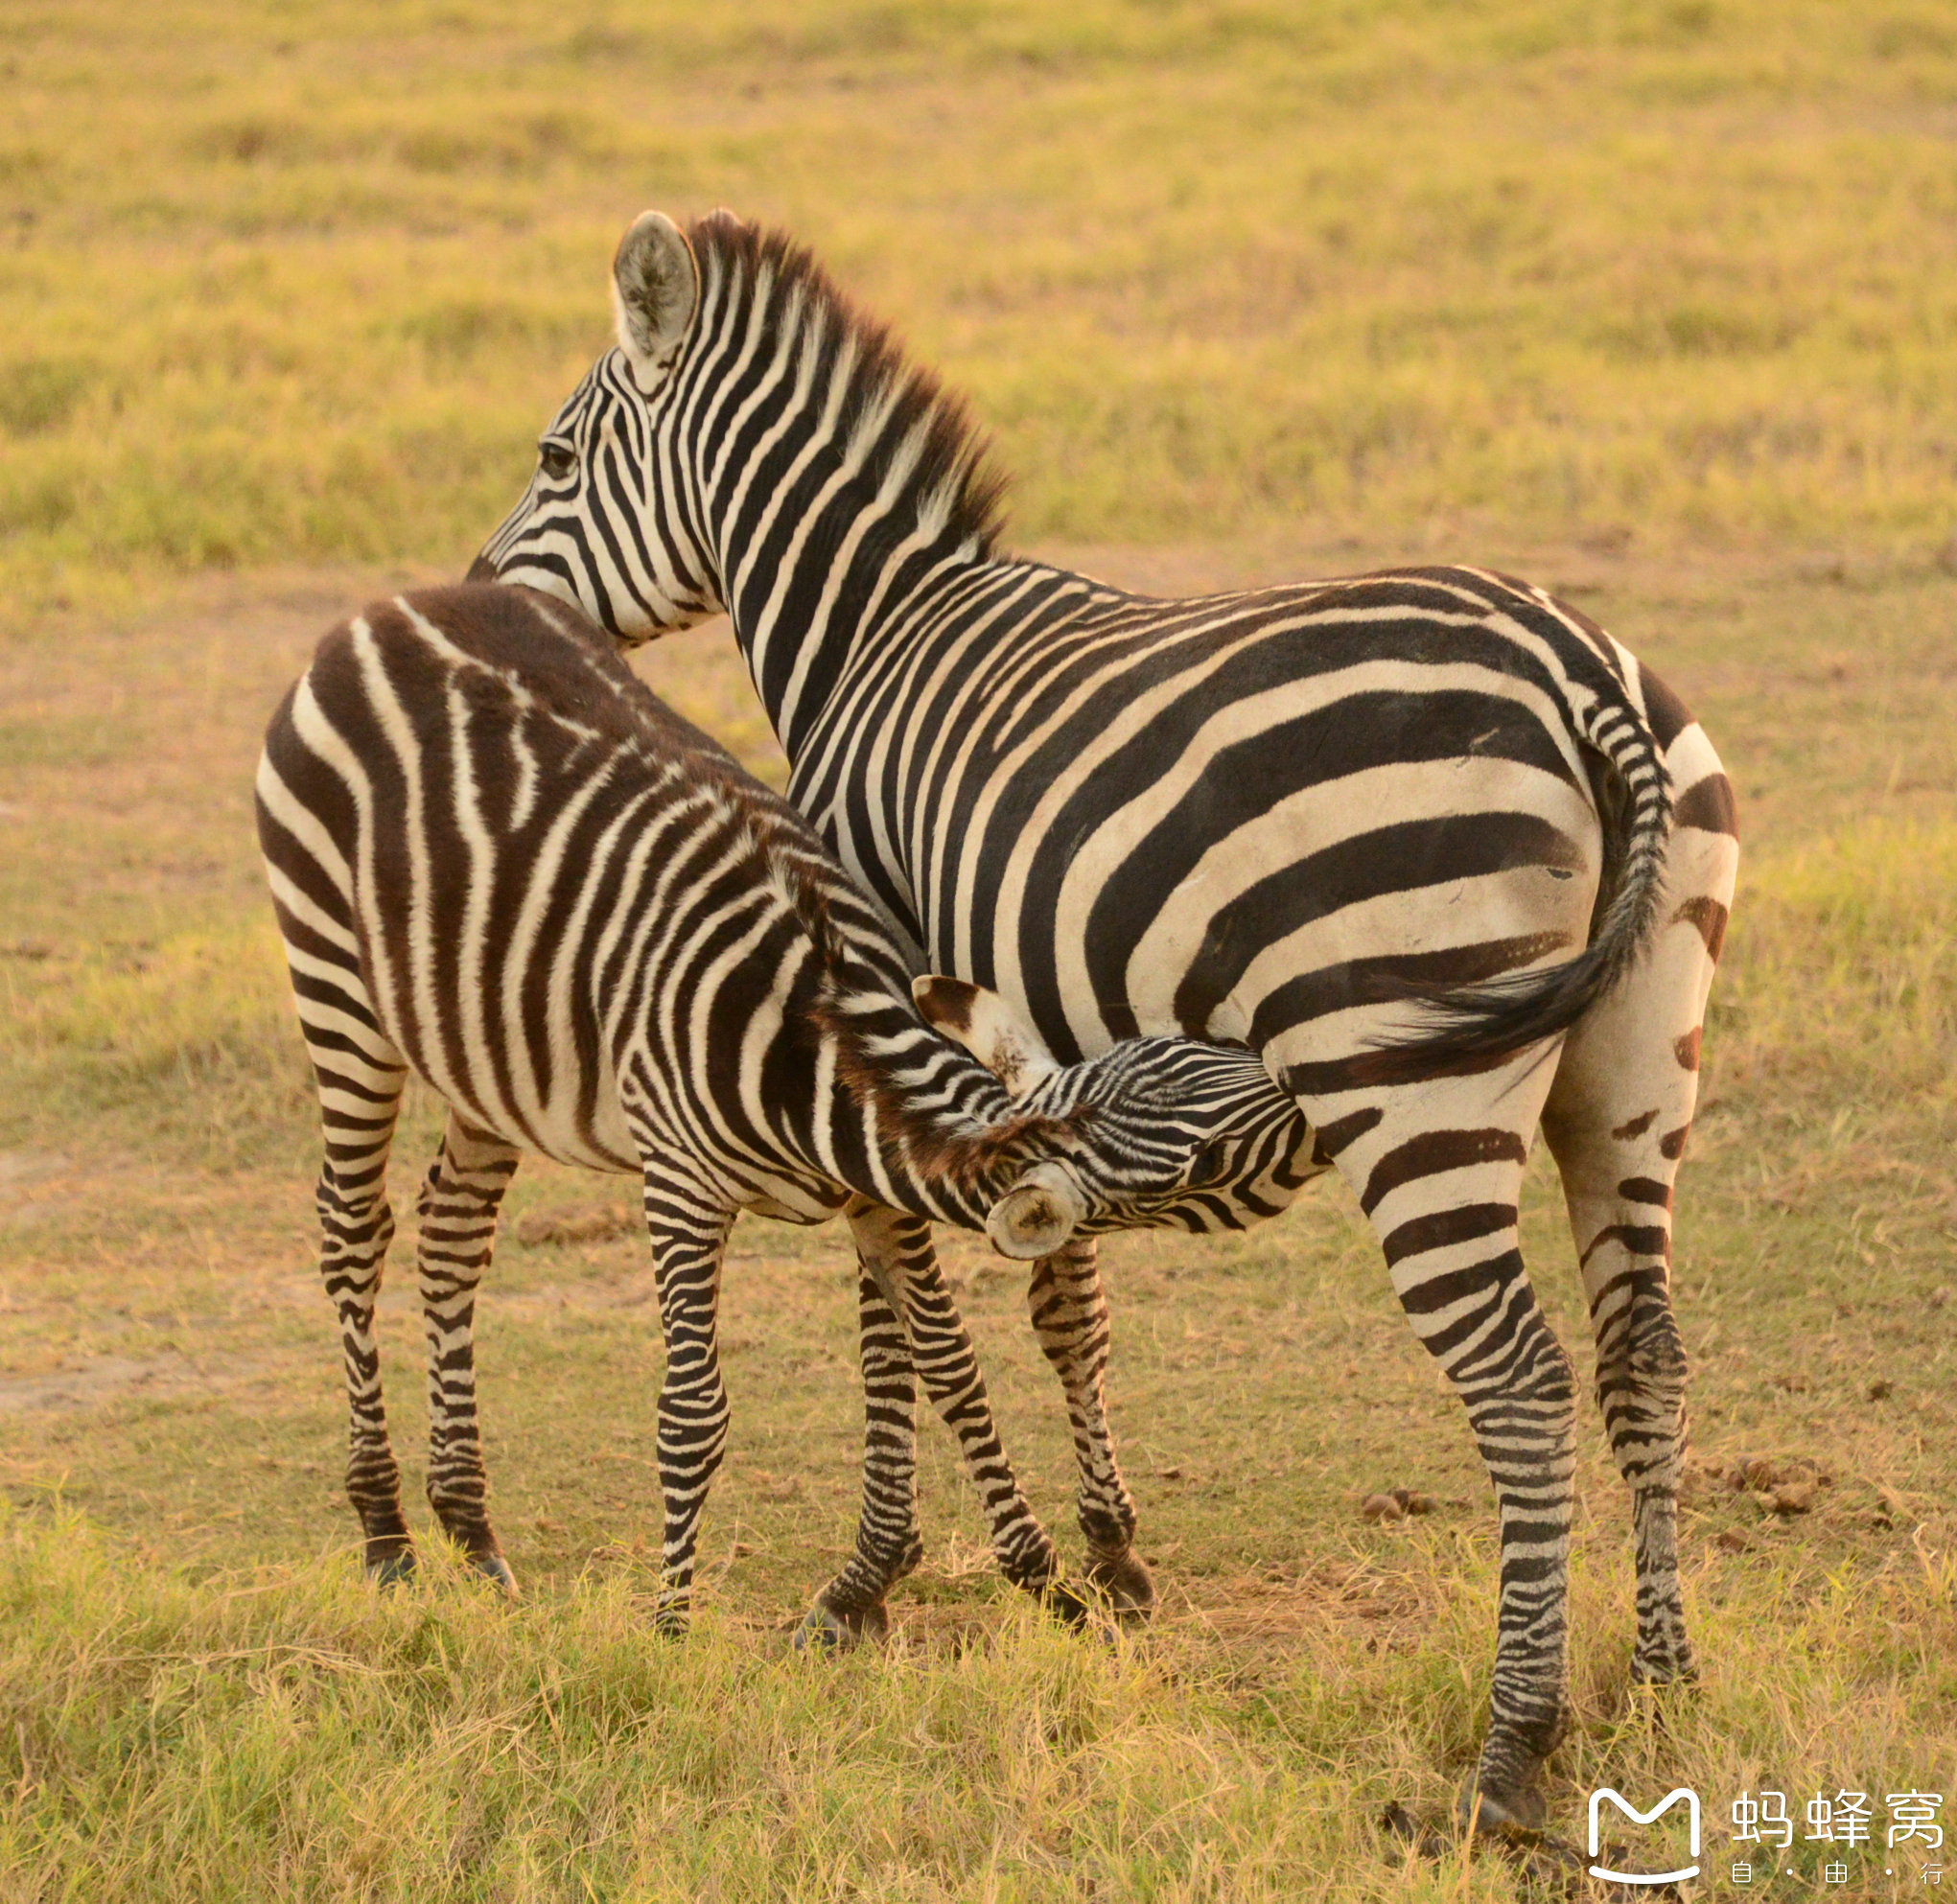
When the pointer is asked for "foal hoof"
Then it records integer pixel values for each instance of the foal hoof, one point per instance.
(391, 1566)
(824, 1630)
(495, 1569)
(1066, 1604)
(1666, 1673)
(1122, 1579)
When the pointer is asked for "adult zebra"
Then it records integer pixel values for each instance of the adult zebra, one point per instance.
(500, 862)
(1441, 850)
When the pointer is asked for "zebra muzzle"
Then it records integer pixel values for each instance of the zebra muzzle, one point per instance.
(1037, 1214)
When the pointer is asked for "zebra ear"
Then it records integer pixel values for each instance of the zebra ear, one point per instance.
(655, 290)
(1037, 1216)
(986, 1027)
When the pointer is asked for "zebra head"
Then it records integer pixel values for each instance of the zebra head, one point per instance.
(1182, 1134)
(609, 520)
(749, 424)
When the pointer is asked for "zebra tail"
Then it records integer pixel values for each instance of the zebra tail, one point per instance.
(1478, 1024)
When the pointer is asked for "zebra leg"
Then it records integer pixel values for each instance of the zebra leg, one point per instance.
(1069, 1310)
(888, 1541)
(912, 1328)
(687, 1222)
(457, 1208)
(1617, 1123)
(1619, 1206)
(360, 1083)
(1438, 1171)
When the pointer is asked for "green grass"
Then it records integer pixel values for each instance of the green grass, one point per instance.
(304, 284)
(286, 1733)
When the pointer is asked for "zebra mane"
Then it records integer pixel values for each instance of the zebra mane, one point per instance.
(909, 412)
(945, 1144)
(784, 862)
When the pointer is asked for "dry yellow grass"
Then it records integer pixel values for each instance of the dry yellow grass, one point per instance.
(302, 286)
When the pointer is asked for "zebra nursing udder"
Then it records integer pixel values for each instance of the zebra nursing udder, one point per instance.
(1446, 856)
(499, 863)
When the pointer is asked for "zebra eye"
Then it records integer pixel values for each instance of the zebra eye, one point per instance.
(558, 459)
(1209, 1163)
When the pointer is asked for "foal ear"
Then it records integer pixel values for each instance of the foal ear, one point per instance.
(986, 1027)
(654, 291)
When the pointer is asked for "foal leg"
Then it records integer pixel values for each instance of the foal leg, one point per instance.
(889, 1543)
(687, 1221)
(459, 1206)
(911, 1329)
(361, 1077)
(1069, 1311)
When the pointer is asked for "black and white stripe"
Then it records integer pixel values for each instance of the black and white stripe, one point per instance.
(1431, 843)
(498, 861)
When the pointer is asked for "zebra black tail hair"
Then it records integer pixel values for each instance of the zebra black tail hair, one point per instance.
(1480, 1024)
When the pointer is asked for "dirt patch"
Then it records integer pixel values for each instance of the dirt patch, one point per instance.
(25, 1167)
(31, 1185)
(1377, 1609)
(114, 1378)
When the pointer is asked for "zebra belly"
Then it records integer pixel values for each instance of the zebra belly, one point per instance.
(550, 1125)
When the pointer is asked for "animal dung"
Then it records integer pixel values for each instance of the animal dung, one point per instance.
(1396, 1505)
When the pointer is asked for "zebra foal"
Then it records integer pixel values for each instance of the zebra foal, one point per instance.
(1451, 859)
(499, 862)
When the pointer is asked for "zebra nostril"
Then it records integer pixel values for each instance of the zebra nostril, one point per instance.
(1207, 1165)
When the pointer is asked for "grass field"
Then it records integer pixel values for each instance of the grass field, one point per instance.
(1653, 303)
(302, 282)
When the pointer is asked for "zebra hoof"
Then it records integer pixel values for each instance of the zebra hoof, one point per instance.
(1124, 1582)
(393, 1564)
(1067, 1604)
(1517, 1812)
(495, 1569)
(824, 1630)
